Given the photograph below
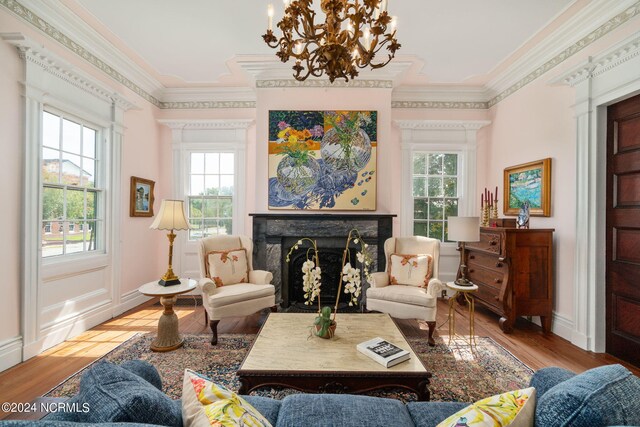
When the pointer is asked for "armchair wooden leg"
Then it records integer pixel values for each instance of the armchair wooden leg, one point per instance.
(274, 309)
(432, 328)
(206, 317)
(214, 328)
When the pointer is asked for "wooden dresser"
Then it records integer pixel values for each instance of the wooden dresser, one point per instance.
(513, 269)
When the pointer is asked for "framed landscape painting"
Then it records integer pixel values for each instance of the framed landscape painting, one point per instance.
(141, 197)
(528, 182)
(323, 160)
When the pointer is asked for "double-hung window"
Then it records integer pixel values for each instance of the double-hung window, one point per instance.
(211, 182)
(72, 192)
(436, 181)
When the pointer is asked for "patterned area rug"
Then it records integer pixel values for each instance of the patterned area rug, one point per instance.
(458, 374)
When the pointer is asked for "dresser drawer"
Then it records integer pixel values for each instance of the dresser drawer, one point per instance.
(490, 242)
(489, 296)
(486, 260)
(478, 274)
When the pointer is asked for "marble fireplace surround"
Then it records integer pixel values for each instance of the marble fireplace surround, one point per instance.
(275, 234)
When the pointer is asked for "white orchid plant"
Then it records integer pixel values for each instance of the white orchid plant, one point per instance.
(350, 277)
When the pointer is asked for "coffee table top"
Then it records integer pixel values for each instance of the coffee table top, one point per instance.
(286, 343)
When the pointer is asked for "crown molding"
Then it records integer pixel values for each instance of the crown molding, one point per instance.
(589, 25)
(31, 51)
(441, 124)
(441, 97)
(207, 124)
(608, 60)
(284, 83)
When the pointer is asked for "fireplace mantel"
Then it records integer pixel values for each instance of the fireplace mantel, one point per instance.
(274, 234)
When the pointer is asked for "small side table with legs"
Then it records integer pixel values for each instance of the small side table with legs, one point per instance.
(466, 292)
(168, 335)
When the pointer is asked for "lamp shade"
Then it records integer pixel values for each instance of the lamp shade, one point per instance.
(464, 228)
(171, 216)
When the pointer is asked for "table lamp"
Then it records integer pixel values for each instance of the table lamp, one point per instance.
(171, 217)
(464, 229)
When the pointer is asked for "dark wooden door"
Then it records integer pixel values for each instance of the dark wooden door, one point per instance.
(623, 230)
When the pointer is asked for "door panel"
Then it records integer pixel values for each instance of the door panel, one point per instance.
(623, 230)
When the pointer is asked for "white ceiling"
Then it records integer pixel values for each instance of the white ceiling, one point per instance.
(190, 41)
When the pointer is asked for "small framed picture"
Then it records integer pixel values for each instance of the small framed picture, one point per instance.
(141, 201)
(528, 182)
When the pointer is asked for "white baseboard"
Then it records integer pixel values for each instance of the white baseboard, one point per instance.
(561, 326)
(10, 353)
(69, 328)
(130, 300)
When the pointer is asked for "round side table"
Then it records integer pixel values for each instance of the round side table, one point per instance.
(168, 335)
(466, 292)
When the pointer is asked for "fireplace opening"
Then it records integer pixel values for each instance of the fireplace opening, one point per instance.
(331, 266)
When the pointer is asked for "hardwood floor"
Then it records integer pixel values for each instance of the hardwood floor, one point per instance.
(33, 378)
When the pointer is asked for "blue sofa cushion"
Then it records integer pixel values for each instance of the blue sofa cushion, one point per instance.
(329, 410)
(603, 396)
(269, 408)
(547, 378)
(110, 393)
(429, 414)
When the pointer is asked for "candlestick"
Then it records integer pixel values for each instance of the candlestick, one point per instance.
(270, 15)
(481, 200)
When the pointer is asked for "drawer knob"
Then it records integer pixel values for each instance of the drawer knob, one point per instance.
(496, 298)
(493, 243)
(497, 280)
(472, 257)
(471, 270)
(498, 264)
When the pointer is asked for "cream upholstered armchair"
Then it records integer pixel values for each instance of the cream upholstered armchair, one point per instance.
(409, 288)
(230, 286)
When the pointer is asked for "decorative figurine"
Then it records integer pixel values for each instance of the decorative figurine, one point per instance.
(523, 217)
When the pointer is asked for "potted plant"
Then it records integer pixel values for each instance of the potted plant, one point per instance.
(350, 277)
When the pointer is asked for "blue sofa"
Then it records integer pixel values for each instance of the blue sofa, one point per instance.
(131, 393)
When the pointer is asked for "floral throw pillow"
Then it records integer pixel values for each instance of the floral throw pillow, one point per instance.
(514, 408)
(205, 403)
(228, 267)
(412, 270)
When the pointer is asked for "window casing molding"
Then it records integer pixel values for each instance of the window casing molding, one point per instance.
(202, 136)
(48, 317)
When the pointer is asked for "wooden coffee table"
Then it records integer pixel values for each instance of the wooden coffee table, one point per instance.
(286, 354)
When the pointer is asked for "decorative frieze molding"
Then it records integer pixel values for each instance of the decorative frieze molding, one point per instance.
(441, 124)
(441, 105)
(285, 83)
(28, 50)
(207, 124)
(606, 61)
(200, 105)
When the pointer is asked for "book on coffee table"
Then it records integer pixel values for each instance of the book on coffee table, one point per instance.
(383, 352)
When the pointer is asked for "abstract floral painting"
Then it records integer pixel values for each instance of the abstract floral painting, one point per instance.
(322, 160)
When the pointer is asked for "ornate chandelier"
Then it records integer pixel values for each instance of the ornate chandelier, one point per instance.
(350, 37)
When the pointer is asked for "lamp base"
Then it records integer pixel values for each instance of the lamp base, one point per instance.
(170, 282)
(463, 282)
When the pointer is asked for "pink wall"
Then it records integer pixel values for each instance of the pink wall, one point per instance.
(11, 173)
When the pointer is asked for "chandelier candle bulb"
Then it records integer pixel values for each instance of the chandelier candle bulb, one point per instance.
(383, 5)
(394, 24)
(270, 15)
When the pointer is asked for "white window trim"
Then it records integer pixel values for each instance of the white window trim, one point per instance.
(199, 136)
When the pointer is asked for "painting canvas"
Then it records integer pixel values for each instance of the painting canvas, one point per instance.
(322, 160)
(529, 182)
(141, 197)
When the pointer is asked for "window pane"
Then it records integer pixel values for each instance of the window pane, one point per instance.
(226, 185)
(225, 226)
(435, 187)
(419, 164)
(88, 142)
(212, 184)
(50, 130)
(420, 209)
(91, 235)
(436, 208)
(419, 187)
(88, 172)
(92, 204)
(75, 204)
(195, 230)
(451, 208)
(212, 163)
(50, 166)
(197, 163)
(435, 164)
(226, 208)
(226, 163)
(197, 185)
(71, 136)
(210, 227)
(450, 187)
(195, 208)
(74, 241)
(436, 229)
(451, 164)
(71, 171)
(210, 208)
(420, 229)
(52, 203)
(52, 244)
